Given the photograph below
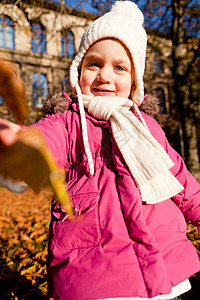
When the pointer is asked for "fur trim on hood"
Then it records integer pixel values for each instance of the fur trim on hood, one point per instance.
(57, 103)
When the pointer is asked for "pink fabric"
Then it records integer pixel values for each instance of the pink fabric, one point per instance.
(145, 97)
(118, 246)
(67, 97)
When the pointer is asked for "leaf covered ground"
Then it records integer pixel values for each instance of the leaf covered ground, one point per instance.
(24, 221)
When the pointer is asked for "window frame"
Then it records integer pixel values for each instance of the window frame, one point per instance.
(38, 38)
(8, 43)
(41, 91)
(67, 44)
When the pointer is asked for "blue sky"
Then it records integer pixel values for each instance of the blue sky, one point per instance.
(86, 4)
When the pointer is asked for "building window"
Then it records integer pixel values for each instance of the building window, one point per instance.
(158, 64)
(39, 89)
(65, 84)
(67, 45)
(7, 33)
(161, 96)
(38, 38)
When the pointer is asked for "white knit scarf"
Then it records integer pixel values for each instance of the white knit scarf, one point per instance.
(146, 159)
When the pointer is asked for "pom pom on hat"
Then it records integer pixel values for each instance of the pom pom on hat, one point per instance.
(123, 22)
(129, 8)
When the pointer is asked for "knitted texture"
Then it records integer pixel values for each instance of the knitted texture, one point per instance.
(124, 23)
(146, 159)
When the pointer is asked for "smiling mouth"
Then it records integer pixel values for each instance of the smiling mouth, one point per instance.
(102, 90)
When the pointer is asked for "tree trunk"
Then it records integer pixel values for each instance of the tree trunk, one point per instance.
(181, 89)
(187, 120)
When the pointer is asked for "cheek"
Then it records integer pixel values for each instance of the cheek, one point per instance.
(85, 82)
(124, 87)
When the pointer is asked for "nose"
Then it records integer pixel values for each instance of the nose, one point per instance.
(104, 75)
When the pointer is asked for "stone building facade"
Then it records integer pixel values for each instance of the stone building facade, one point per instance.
(41, 37)
(40, 42)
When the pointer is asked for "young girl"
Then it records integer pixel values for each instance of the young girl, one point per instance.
(130, 190)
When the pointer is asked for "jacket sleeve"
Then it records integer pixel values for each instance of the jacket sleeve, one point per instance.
(53, 129)
(189, 199)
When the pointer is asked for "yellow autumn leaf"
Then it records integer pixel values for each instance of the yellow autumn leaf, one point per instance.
(29, 270)
(30, 160)
(12, 90)
(41, 238)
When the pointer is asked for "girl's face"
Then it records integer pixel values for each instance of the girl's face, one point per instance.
(107, 70)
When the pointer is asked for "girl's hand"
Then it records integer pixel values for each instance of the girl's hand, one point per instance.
(8, 132)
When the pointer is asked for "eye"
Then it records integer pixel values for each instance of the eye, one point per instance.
(119, 68)
(93, 65)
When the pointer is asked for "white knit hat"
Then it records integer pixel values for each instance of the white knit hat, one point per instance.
(123, 22)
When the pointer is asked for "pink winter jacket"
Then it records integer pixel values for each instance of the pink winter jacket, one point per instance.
(119, 246)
